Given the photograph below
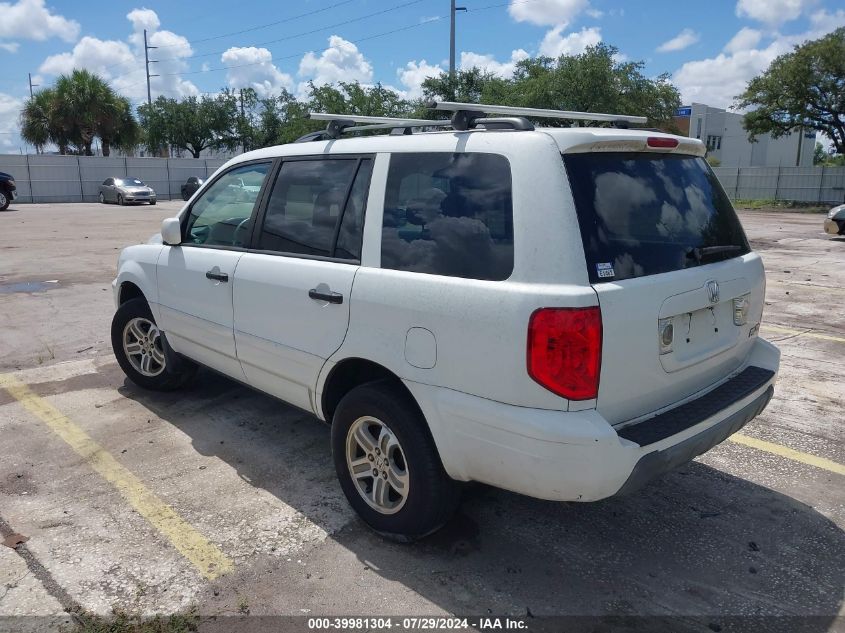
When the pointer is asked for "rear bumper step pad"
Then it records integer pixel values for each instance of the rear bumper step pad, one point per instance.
(695, 411)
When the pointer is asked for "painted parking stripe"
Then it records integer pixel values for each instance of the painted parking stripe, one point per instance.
(789, 453)
(786, 330)
(204, 555)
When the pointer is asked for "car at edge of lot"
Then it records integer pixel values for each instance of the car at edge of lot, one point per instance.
(561, 312)
(834, 223)
(8, 190)
(125, 190)
(190, 187)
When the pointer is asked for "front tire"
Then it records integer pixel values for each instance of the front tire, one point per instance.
(152, 202)
(388, 465)
(5, 201)
(140, 349)
(120, 200)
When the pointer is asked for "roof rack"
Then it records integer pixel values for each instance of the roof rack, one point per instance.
(480, 108)
(465, 116)
(340, 124)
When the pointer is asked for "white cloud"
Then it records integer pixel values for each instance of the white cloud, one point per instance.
(489, 64)
(122, 62)
(744, 39)
(555, 44)
(772, 12)
(10, 109)
(11, 47)
(717, 80)
(260, 73)
(31, 20)
(682, 40)
(547, 12)
(341, 61)
(414, 73)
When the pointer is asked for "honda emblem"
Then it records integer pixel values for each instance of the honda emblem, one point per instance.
(713, 291)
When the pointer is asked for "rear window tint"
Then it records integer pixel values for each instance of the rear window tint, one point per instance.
(643, 214)
(449, 214)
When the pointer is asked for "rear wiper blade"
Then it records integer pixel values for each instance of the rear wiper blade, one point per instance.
(708, 251)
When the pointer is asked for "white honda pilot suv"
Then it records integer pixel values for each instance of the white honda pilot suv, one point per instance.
(561, 312)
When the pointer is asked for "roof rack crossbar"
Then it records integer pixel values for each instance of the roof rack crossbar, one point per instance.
(453, 106)
(384, 122)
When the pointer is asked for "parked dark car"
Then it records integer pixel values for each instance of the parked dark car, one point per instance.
(8, 190)
(123, 190)
(190, 187)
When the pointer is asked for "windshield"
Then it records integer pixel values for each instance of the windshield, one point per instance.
(643, 214)
(129, 182)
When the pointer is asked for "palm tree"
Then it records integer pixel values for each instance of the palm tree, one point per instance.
(81, 107)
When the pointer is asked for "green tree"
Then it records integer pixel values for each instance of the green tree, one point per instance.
(78, 109)
(804, 89)
(193, 124)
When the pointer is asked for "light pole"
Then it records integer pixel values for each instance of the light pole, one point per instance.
(452, 40)
(147, 61)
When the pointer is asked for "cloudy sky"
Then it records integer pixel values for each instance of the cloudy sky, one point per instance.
(711, 48)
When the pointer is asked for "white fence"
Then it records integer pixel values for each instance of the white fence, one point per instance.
(797, 184)
(49, 178)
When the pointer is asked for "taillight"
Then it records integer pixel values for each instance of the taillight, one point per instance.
(662, 141)
(564, 351)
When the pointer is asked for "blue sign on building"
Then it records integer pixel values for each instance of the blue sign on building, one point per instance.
(685, 111)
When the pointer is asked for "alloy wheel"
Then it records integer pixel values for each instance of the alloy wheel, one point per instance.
(142, 345)
(377, 465)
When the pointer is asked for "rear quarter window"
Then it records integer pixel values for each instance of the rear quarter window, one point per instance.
(449, 214)
(645, 213)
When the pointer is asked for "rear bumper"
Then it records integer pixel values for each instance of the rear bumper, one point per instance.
(578, 455)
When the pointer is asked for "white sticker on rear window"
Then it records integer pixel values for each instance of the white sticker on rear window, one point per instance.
(605, 269)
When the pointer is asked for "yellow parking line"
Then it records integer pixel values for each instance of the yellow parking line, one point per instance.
(818, 335)
(789, 453)
(205, 556)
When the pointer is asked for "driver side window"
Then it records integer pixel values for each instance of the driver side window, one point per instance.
(223, 215)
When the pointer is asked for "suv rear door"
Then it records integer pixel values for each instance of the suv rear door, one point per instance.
(667, 256)
(292, 290)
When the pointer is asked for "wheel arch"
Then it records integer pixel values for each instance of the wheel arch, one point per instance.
(350, 373)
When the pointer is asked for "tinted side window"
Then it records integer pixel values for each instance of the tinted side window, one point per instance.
(306, 205)
(222, 216)
(352, 226)
(449, 214)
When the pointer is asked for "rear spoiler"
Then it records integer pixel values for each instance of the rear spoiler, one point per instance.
(689, 146)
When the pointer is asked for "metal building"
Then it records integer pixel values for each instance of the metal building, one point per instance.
(728, 142)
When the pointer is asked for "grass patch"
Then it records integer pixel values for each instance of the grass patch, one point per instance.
(122, 622)
(782, 205)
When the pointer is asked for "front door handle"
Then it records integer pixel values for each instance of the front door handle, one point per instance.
(216, 275)
(330, 297)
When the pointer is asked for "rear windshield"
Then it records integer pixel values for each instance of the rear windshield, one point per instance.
(643, 214)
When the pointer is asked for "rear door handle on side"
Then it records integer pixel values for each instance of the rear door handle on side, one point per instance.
(331, 297)
(216, 275)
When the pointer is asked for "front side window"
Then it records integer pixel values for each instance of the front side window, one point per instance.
(449, 214)
(222, 216)
(313, 211)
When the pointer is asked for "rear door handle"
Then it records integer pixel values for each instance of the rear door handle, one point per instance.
(216, 275)
(331, 297)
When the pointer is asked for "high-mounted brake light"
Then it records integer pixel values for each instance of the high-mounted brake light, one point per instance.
(564, 351)
(661, 141)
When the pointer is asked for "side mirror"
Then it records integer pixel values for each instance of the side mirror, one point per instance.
(171, 231)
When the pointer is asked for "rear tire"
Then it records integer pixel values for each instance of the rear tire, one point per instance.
(152, 202)
(400, 488)
(141, 349)
(101, 198)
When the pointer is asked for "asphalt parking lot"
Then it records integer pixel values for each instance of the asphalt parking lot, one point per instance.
(225, 500)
